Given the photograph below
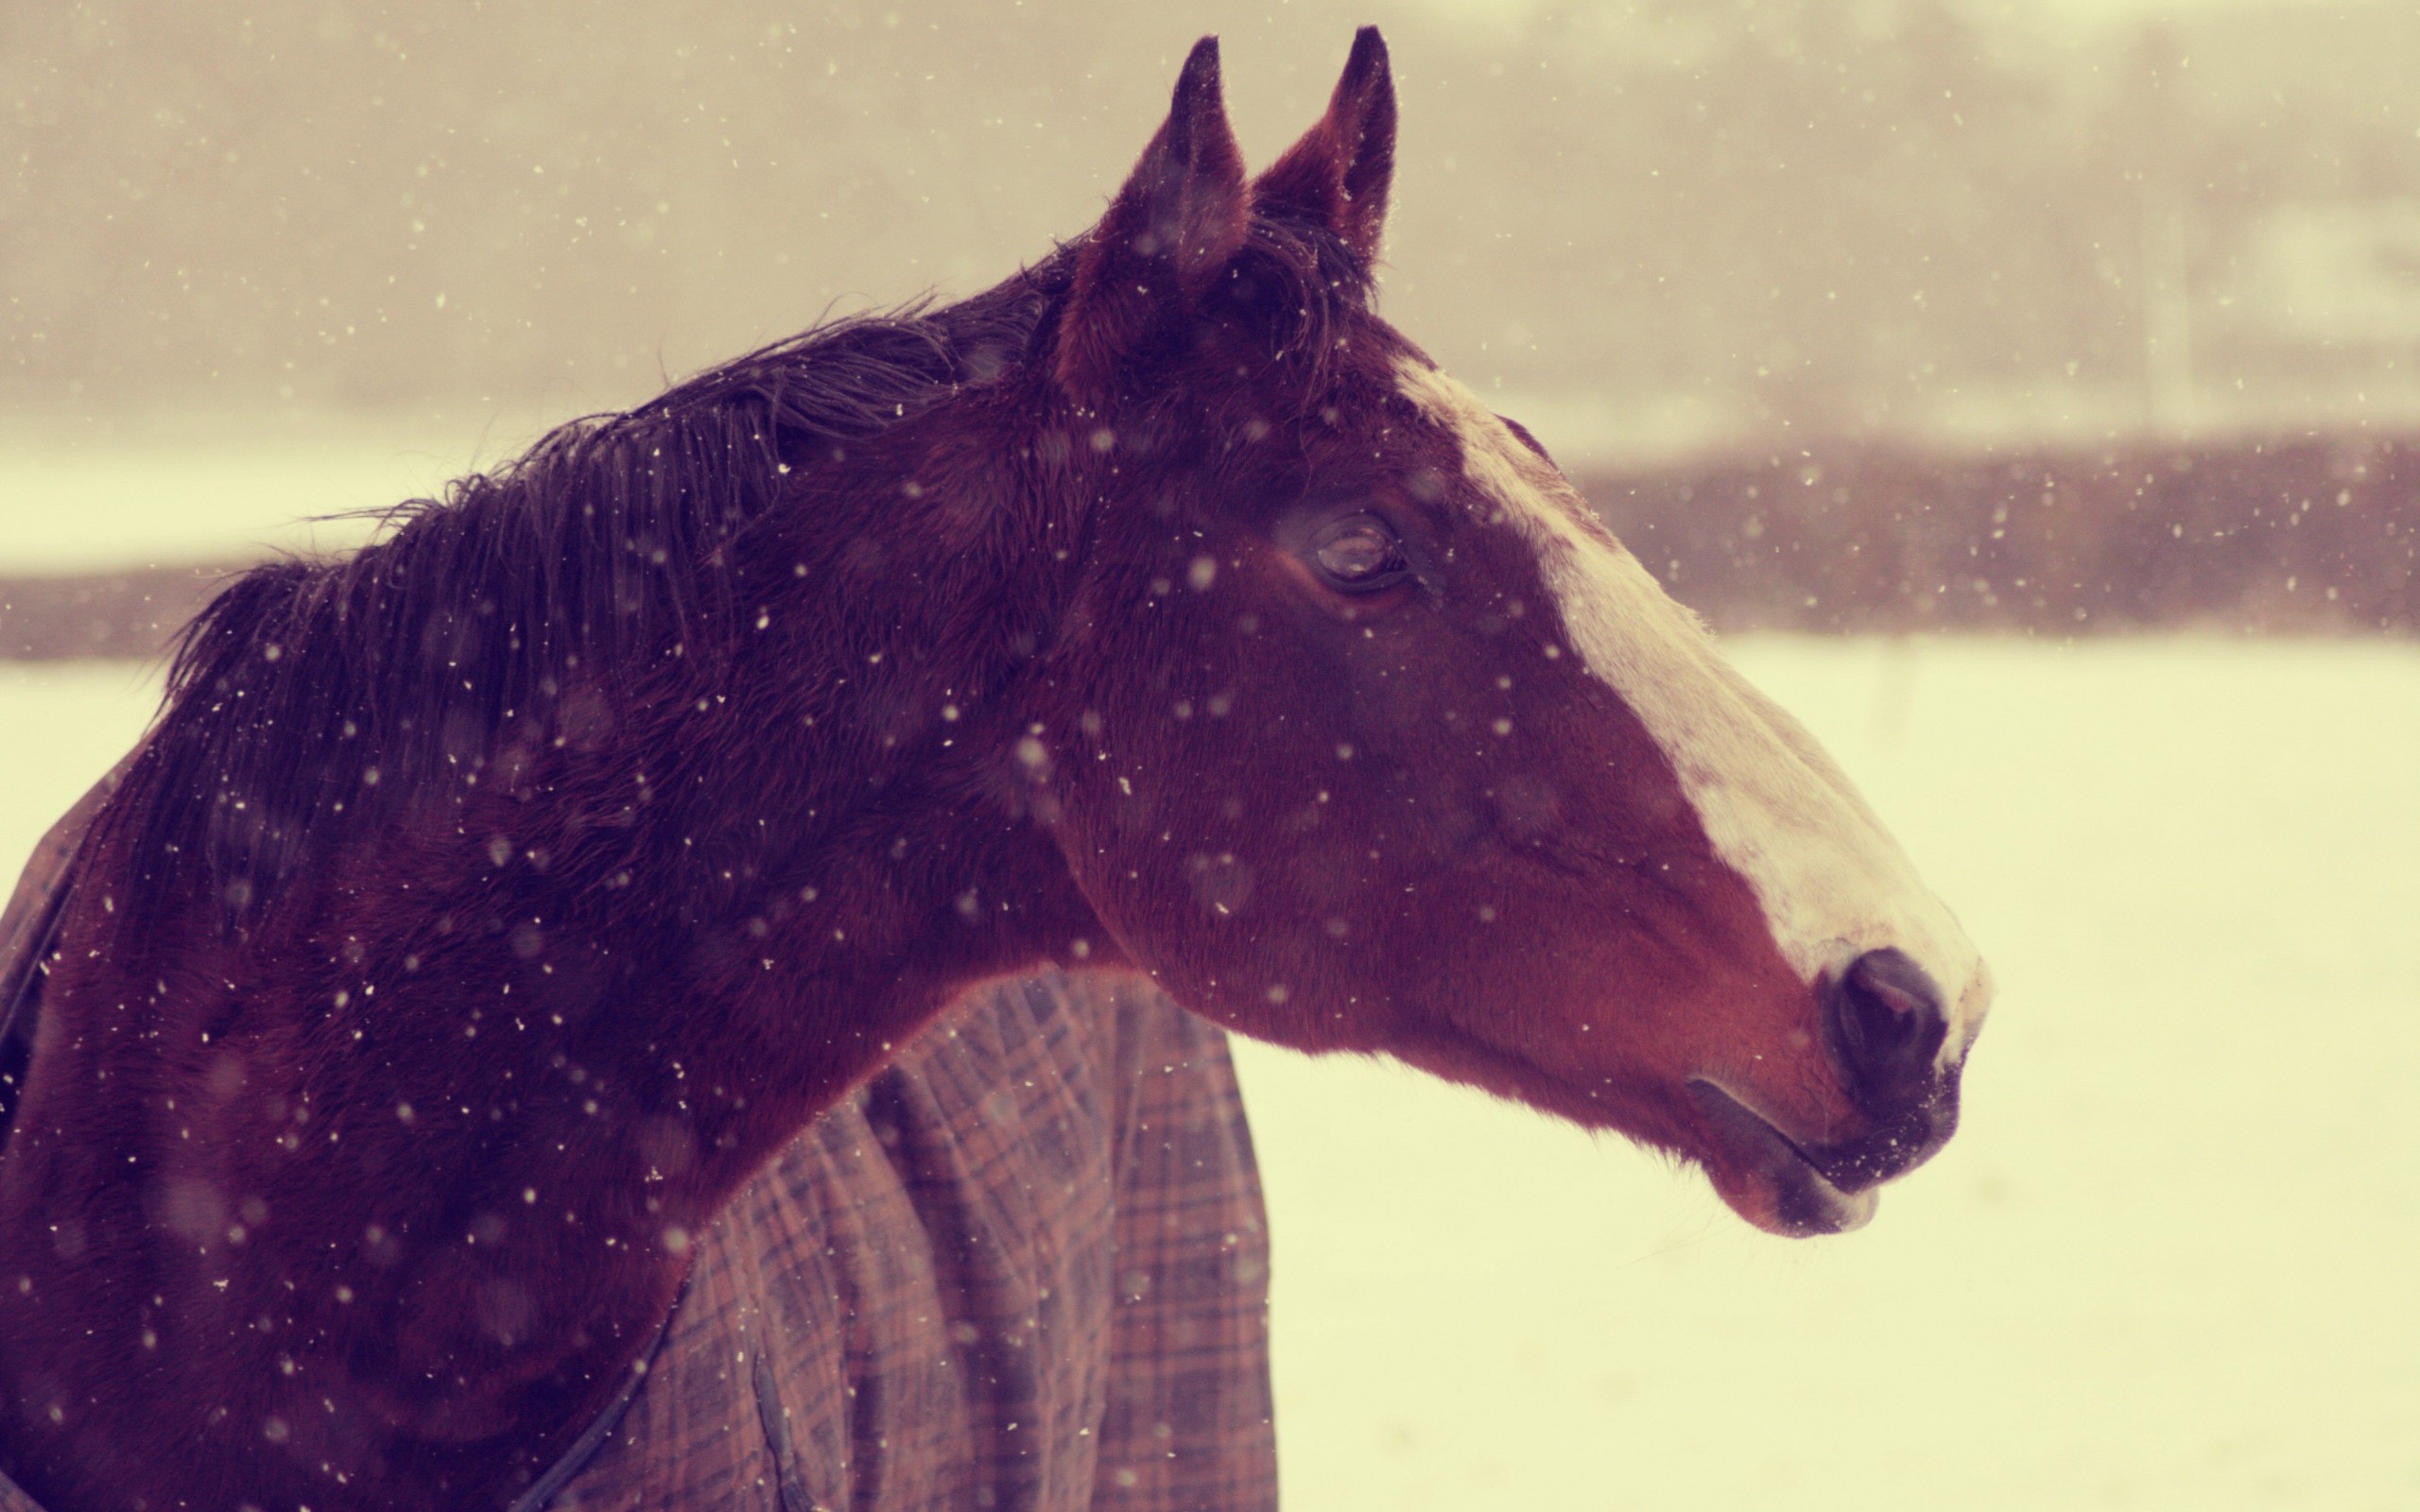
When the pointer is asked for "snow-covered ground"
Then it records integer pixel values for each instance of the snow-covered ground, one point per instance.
(2166, 1265)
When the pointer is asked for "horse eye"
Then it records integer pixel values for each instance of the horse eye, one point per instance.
(1359, 552)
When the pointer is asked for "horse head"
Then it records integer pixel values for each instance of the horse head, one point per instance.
(1362, 733)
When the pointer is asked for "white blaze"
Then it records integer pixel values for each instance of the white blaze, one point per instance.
(1832, 882)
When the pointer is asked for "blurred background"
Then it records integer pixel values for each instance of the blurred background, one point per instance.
(2026, 387)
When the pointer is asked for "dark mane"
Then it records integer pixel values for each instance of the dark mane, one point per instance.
(311, 697)
(310, 691)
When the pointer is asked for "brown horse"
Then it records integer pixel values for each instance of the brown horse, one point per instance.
(486, 906)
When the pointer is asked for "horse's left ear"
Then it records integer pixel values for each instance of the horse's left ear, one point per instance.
(1339, 173)
(1171, 228)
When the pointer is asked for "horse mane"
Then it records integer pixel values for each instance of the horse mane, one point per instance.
(311, 697)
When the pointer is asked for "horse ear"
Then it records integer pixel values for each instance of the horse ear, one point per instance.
(1175, 224)
(1340, 171)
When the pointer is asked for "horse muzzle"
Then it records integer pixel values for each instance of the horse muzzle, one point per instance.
(1884, 1028)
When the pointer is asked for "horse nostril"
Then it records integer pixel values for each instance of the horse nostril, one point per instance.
(1886, 1025)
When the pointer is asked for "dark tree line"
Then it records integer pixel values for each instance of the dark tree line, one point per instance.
(2305, 536)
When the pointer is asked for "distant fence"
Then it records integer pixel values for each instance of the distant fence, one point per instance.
(2296, 536)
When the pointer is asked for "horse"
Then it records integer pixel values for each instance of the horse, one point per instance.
(484, 906)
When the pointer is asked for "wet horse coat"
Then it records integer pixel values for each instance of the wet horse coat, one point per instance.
(489, 905)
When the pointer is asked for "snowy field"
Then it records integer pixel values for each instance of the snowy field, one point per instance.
(2166, 1265)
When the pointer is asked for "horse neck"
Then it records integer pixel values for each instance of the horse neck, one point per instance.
(827, 839)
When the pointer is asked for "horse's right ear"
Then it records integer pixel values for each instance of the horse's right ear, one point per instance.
(1170, 231)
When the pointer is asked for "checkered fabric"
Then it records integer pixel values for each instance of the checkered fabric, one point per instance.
(1025, 1267)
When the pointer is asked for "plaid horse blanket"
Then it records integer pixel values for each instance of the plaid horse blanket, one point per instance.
(1024, 1268)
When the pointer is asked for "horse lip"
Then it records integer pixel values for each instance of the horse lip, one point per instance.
(1797, 1199)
